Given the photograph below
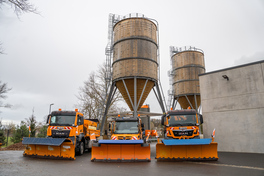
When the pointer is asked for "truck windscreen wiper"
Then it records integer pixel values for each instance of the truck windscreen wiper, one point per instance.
(178, 124)
(54, 124)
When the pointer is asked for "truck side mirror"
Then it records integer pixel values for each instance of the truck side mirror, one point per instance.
(48, 117)
(163, 119)
(201, 119)
(109, 126)
(142, 126)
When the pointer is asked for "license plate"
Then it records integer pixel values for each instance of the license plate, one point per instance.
(183, 133)
(183, 128)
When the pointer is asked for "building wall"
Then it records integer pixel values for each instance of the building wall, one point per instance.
(235, 107)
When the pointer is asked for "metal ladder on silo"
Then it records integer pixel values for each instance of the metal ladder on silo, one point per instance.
(108, 72)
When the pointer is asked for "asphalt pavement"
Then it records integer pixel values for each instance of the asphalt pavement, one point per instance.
(242, 164)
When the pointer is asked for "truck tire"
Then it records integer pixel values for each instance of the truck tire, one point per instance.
(80, 148)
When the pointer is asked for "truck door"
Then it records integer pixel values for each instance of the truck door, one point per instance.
(80, 124)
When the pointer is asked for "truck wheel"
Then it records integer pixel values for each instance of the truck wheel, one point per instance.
(81, 148)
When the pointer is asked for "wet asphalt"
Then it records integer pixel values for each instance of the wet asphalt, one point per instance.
(242, 164)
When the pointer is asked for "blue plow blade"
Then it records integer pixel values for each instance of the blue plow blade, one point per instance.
(120, 141)
(206, 141)
(43, 141)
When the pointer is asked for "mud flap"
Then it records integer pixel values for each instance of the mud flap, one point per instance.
(186, 150)
(60, 148)
(120, 151)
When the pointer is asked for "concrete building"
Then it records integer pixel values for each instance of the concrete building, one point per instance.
(233, 103)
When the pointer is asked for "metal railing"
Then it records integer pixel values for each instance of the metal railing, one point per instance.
(175, 50)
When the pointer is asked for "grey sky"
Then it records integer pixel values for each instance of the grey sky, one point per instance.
(49, 56)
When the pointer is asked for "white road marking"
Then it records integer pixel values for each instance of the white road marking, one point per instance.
(230, 165)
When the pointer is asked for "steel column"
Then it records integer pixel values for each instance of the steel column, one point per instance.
(135, 97)
(142, 93)
(189, 101)
(108, 103)
(128, 93)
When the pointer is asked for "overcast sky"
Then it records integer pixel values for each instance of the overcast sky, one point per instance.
(49, 56)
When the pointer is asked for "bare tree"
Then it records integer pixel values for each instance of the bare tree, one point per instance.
(1, 49)
(20, 6)
(3, 90)
(91, 94)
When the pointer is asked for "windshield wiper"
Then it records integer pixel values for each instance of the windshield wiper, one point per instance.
(66, 124)
(178, 124)
(193, 124)
(183, 124)
(54, 124)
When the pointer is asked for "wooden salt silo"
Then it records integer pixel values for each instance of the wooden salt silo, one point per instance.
(187, 64)
(132, 62)
(135, 65)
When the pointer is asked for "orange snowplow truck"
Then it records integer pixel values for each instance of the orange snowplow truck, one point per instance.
(68, 134)
(182, 138)
(127, 143)
(126, 129)
(182, 124)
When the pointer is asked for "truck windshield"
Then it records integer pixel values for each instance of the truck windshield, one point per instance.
(62, 120)
(126, 127)
(182, 120)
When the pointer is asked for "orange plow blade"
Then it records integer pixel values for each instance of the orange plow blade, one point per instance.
(186, 152)
(120, 152)
(45, 149)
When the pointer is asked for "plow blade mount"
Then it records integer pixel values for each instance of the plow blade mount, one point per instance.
(186, 149)
(58, 148)
(120, 151)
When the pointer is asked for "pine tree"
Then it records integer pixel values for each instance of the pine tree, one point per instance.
(31, 121)
(42, 131)
(20, 132)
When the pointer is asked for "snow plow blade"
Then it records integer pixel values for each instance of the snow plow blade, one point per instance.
(56, 148)
(120, 151)
(186, 149)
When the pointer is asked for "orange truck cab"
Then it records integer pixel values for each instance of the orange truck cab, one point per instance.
(127, 129)
(182, 124)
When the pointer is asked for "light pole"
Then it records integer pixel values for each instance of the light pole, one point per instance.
(50, 107)
(7, 134)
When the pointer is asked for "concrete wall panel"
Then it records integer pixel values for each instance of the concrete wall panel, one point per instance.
(236, 131)
(242, 80)
(238, 102)
(235, 107)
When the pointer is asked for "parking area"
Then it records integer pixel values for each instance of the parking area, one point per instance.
(13, 163)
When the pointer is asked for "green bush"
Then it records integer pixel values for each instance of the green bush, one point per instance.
(2, 134)
(20, 132)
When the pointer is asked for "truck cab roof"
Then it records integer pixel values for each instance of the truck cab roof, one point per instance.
(129, 119)
(182, 112)
(63, 113)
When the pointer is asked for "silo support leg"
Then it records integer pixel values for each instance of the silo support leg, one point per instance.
(189, 101)
(159, 98)
(108, 103)
(142, 92)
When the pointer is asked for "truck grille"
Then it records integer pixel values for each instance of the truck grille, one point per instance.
(124, 138)
(183, 132)
(60, 133)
